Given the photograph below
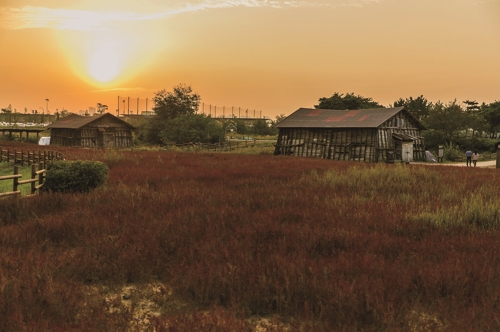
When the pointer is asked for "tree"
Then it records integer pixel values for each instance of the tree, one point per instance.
(348, 102)
(101, 108)
(491, 114)
(192, 128)
(447, 120)
(279, 118)
(471, 105)
(241, 127)
(181, 101)
(176, 119)
(260, 127)
(419, 107)
(7, 109)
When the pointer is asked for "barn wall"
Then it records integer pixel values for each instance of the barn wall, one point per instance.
(328, 143)
(355, 144)
(402, 124)
(62, 137)
(95, 134)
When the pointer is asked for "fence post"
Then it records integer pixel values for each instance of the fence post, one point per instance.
(33, 176)
(41, 166)
(16, 180)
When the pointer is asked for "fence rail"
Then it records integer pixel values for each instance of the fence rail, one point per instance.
(28, 157)
(227, 146)
(37, 176)
(482, 157)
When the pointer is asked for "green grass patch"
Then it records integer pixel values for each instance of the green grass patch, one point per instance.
(7, 185)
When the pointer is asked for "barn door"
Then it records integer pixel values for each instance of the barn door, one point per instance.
(407, 152)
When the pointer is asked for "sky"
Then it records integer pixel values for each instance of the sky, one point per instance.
(270, 57)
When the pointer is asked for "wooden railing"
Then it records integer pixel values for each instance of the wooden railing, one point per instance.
(28, 157)
(228, 146)
(37, 176)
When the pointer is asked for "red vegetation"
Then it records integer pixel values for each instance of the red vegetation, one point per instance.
(243, 235)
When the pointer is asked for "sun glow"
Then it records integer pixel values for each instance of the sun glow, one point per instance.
(109, 57)
(104, 64)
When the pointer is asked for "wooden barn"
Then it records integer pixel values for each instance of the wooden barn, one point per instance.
(105, 130)
(369, 135)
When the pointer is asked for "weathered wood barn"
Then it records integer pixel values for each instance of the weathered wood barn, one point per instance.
(105, 130)
(369, 135)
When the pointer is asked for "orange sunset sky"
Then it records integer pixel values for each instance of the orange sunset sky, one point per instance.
(273, 56)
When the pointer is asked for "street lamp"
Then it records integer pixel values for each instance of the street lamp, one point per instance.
(42, 109)
(47, 100)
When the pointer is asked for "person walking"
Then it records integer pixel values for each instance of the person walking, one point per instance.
(475, 157)
(468, 155)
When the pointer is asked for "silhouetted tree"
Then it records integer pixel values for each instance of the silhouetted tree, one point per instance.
(181, 101)
(419, 106)
(347, 102)
(447, 120)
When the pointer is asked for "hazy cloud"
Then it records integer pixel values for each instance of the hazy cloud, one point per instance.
(123, 89)
(68, 19)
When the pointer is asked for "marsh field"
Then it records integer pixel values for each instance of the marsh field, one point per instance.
(183, 241)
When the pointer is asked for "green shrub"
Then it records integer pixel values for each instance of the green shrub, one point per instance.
(75, 176)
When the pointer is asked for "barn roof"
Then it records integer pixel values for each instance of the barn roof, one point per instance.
(322, 118)
(74, 121)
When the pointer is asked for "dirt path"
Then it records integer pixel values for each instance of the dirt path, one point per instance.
(489, 164)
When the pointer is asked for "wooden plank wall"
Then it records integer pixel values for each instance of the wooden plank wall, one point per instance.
(90, 136)
(355, 144)
(61, 136)
(329, 143)
(401, 124)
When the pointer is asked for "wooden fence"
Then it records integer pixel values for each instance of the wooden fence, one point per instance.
(227, 146)
(37, 176)
(28, 157)
(37, 159)
(482, 157)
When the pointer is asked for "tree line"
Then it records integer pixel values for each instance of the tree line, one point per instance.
(177, 121)
(456, 125)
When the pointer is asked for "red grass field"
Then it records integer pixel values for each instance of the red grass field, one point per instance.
(312, 245)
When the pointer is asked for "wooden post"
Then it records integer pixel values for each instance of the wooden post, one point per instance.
(41, 176)
(15, 182)
(33, 176)
(498, 156)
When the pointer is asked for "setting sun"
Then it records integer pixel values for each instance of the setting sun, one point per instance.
(270, 56)
(104, 64)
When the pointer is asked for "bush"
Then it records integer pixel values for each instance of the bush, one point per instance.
(75, 176)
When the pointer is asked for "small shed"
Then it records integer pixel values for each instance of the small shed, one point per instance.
(369, 135)
(105, 130)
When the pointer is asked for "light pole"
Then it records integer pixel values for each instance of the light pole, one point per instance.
(47, 100)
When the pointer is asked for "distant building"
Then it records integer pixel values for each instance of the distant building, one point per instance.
(104, 130)
(370, 135)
